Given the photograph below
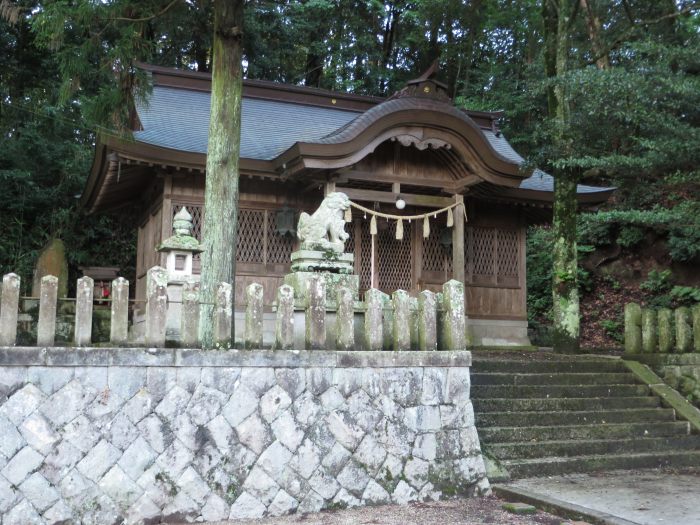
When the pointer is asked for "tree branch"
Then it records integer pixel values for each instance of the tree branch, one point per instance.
(145, 18)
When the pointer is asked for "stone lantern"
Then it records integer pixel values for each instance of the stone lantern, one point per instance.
(180, 247)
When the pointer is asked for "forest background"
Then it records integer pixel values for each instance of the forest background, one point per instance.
(633, 81)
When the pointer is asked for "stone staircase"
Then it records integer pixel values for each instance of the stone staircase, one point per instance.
(541, 417)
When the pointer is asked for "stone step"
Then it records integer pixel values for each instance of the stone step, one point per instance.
(587, 417)
(553, 403)
(553, 378)
(545, 391)
(521, 468)
(492, 435)
(495, 365)
(588, 447)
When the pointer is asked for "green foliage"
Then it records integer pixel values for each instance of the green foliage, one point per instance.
(657, 282)
(685, 295)
(614, 329)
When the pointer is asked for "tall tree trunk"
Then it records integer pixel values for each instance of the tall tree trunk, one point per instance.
(221, 191)
(557, 16)
(593, 25)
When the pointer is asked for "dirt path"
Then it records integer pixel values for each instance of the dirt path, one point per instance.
(472, 511)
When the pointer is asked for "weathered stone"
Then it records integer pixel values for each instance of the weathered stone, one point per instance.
(306, 459)
(306, 408)
(345, 430)
(174, 403)
(416, 472)
(401, 330)
(336, 459)
(316, 313)
(119, 326)
(156, 306)
(137, 458)
(286, 430)
(633, 328)
(345, 319)
(273, 403)
(254, 316)
(261, 486)
(259, 380)
(11, 440)
(353, 478)
(215, 509)
(374, 309)
(427, 321)
(46, 324)
(332, 399)
(360, 408)
(404, 493)
(223, 315)
(9, 309)
(453, 324)
(21, 465)
(347, 380)
(370, 454)
(649, 335)
(282, 504)
(425, 447)
(254, 434)
(274, 459)
(119, 487)
(38, 433)
(175, 458)
(22, 514)
(246, 506)
(684, 332)
(423, 418)
(666, 336)
(194, 486)
(181, 507)
(98, 460)
(83, 311)
(375, 494)
(695, 313)
(59, 513)
(458, 386)
(434, 386)
(144, 510)
(284, 321)
(292, 380)
(22, 403)
(312, 502)
(189, 320)
(205, 404)
(345, 500)
(39, 492)
(241, 405)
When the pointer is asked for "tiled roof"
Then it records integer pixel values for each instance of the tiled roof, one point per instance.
(541, 181)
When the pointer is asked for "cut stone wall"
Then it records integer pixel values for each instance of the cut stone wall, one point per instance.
(679, 371)
(103, 436)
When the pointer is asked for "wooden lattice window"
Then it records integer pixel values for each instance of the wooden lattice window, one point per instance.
(435, 255)
(492, 256)
(279, 247)
(482, 253)
(507, 253)
(394, 259)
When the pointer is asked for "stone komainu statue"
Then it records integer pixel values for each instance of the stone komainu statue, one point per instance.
(325, 228)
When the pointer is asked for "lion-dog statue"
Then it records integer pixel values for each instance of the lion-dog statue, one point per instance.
(326, 227)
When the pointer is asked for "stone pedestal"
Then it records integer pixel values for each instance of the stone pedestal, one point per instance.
(308, 259)
(299, 281)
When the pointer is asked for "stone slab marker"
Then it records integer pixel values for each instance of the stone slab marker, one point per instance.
(401, 328)
(684, 333)
(189, 320)
(83, 311)
(649, 335)
(315, 336)
(156, 306)
(9, 309)
(633, 328)
(427, 321)
(413, 321)
(665, 333)
(46, 325)
(119, 327)
(695, 312)
(284, 322)
(345, 319)
(374, 306)
(223, 314)
(254, 316)
(454, 323)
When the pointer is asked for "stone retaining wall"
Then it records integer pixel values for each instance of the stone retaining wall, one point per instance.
(679, 371)
(97, 435)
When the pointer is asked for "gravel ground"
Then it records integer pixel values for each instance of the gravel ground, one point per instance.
(472, 511)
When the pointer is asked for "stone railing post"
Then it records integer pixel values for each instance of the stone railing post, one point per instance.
(156, 306)
(254, 316)
(284, 322)
(374, 306)
(633, 328)
(223, 315)
(665, 331)
(345, 319)
(119, 327)
(684, 333)
(649, 336)
(189, 315)
(315, 336)
(9, 309)
(83, 311)
(696, 327)
(427, 321)
(46, 325)
(401, 328)
(454, 322)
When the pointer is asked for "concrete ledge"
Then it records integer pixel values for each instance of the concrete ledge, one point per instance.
(559, 507)
(180, 357)
(665, 359)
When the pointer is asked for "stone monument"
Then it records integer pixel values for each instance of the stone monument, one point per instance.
(322, 250)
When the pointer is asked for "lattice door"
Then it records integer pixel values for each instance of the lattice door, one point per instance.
(279, 247)
(482, 251)
(436, 257)
(508, 257)
(250, 247)
(394, 259)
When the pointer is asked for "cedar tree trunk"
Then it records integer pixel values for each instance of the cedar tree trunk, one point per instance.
(221, 191)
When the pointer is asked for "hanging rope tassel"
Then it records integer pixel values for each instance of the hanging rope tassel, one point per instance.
(399, 230)
(450, 218)
(373, 225)
(348, 215)
(426, 227)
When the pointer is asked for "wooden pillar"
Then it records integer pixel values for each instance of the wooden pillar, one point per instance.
(458, 240)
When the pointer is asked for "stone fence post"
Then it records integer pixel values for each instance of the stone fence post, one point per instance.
(633, 328)
(46, 325)
(345, 319)
(665, 330)
(254, 316)
(119, 328)
(189, 315)
(427, 321)
(374, 306)
(695, 311)
(83, 311)
(454, 323)
(401, 328)
(223, 314)
(684, 333)
(9, 309)
(284, 322)
(315, 336)
(156, 306)
(649, 336)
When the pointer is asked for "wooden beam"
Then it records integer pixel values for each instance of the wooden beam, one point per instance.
(345, 175)
(458, 240)
(430, 201)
